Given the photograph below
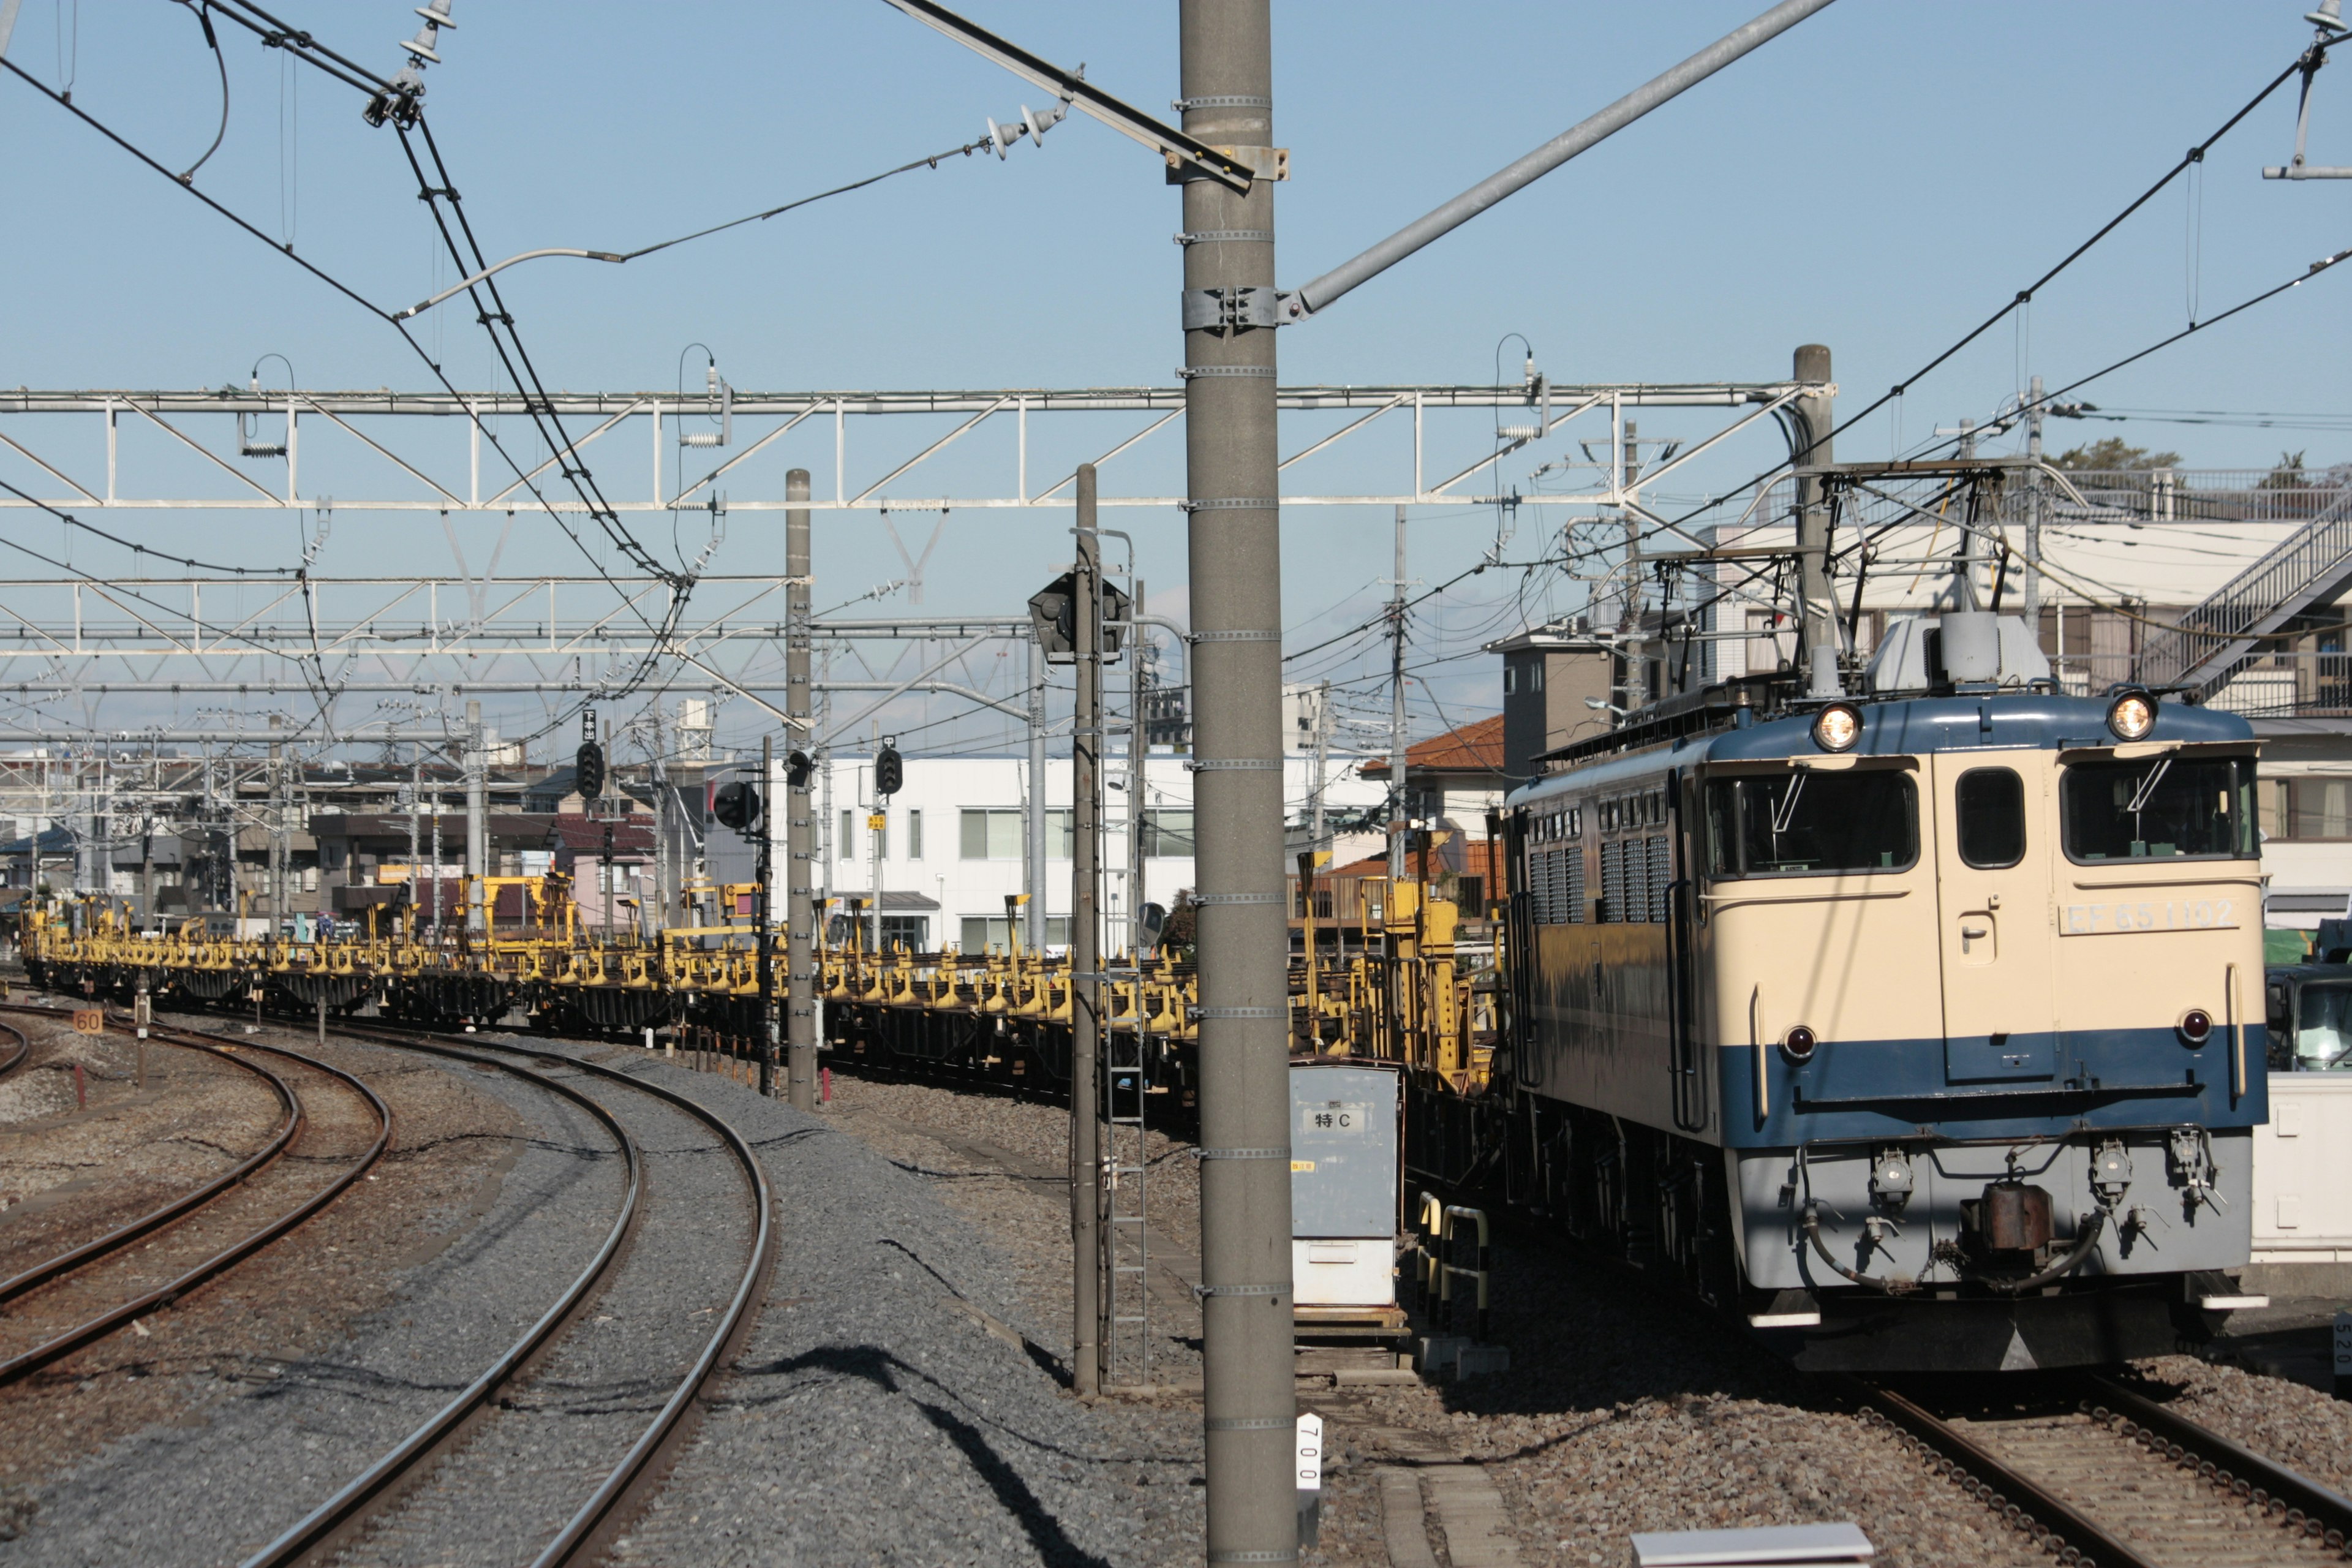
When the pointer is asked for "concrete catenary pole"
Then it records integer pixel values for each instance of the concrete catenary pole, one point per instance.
(1400, 802)
(765, 904)
(1322, 764)
(1810, 444)
(1086, 956)
(477, 824)
(277, 827)
(1033, 877)
(2031, 589)
(800, 843)
(1139, 755)
(1234, 552)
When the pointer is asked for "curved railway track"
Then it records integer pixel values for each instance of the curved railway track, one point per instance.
(253, 1183)
(15, 1053)
(429, 1459)
(2098, 1474)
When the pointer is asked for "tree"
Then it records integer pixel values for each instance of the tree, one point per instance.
(2287, 475)
(2111, 454)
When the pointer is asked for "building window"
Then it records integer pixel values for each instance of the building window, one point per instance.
(846, 845)
(2314, 808)
(1510, 681)
(914, 833)
(1168, 833)
(994, 930)
(990, 834)
(1062, 834)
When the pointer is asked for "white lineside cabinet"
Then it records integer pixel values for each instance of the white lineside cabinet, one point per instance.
(1343, 1186)
(2303, 1170)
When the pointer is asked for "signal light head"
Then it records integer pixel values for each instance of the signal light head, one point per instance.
(1837, 727)
(2132, 715)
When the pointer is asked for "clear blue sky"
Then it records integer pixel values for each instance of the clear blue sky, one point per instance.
(1876, 180)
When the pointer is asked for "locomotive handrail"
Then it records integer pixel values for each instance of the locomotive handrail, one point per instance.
(1735, 897)
(2176, 882)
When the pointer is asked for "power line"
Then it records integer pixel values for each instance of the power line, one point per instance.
(135, 547)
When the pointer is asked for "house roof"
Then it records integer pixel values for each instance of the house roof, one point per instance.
(1479, 857)
(1475, 748)
(584, 835)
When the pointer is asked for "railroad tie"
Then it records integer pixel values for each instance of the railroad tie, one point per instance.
(1470, 1513)
(1401, 1521)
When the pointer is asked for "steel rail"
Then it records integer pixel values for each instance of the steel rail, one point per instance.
(289, 1124)
(2298, 1503)
(640, 1467)
(23, 1048)
(2000, 1486)
(2265, 1483)
(334, 1519)
(227, 1257)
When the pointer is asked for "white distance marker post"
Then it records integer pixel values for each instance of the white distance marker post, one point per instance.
(1310, 1469)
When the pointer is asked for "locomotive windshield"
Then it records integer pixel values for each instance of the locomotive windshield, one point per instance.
(1811, 823)
(2323, 1028)
(2160, 809)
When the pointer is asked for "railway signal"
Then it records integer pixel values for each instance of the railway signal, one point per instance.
(890, 769)
(736, 805)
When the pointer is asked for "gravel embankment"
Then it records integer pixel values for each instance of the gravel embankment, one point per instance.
(70, 1173)
(888, 1411)
(195, 1442)
(2303, 1429)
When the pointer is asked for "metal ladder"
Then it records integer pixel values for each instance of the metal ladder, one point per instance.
(1126, 1154)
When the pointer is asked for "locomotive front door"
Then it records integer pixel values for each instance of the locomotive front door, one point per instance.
(1989, 825)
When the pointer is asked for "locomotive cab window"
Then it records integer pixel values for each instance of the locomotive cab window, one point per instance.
(1809, 823)
(1990, 818)
(2170, 808)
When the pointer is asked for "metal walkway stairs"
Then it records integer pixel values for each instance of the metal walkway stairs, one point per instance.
(2216, 638)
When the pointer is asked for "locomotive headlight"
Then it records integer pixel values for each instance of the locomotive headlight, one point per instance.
(2132, 715)
(1837, 727)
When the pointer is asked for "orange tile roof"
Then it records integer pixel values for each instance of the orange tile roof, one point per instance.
(1483, 858)
(1474, 747)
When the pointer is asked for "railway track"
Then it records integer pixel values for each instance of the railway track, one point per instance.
(73, 1297)
(13, 1054)
(563, 1405)
(2098, 1474)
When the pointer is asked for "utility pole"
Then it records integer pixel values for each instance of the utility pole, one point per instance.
(1399, 811)
(764, 905)
(1322, 760)
(477, 829)
(1139, 753)
(416, 802)
(1249, 1405)
(1033, 880)
(1085, 958)
(2031, 587)
(1811, 445)
(1633, 689)
(277, 826)
(1963, 591)
(800, 954)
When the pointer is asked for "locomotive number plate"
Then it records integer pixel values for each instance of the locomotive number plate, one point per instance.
(2158, 914)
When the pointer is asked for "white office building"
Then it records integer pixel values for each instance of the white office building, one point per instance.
(952, 845)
